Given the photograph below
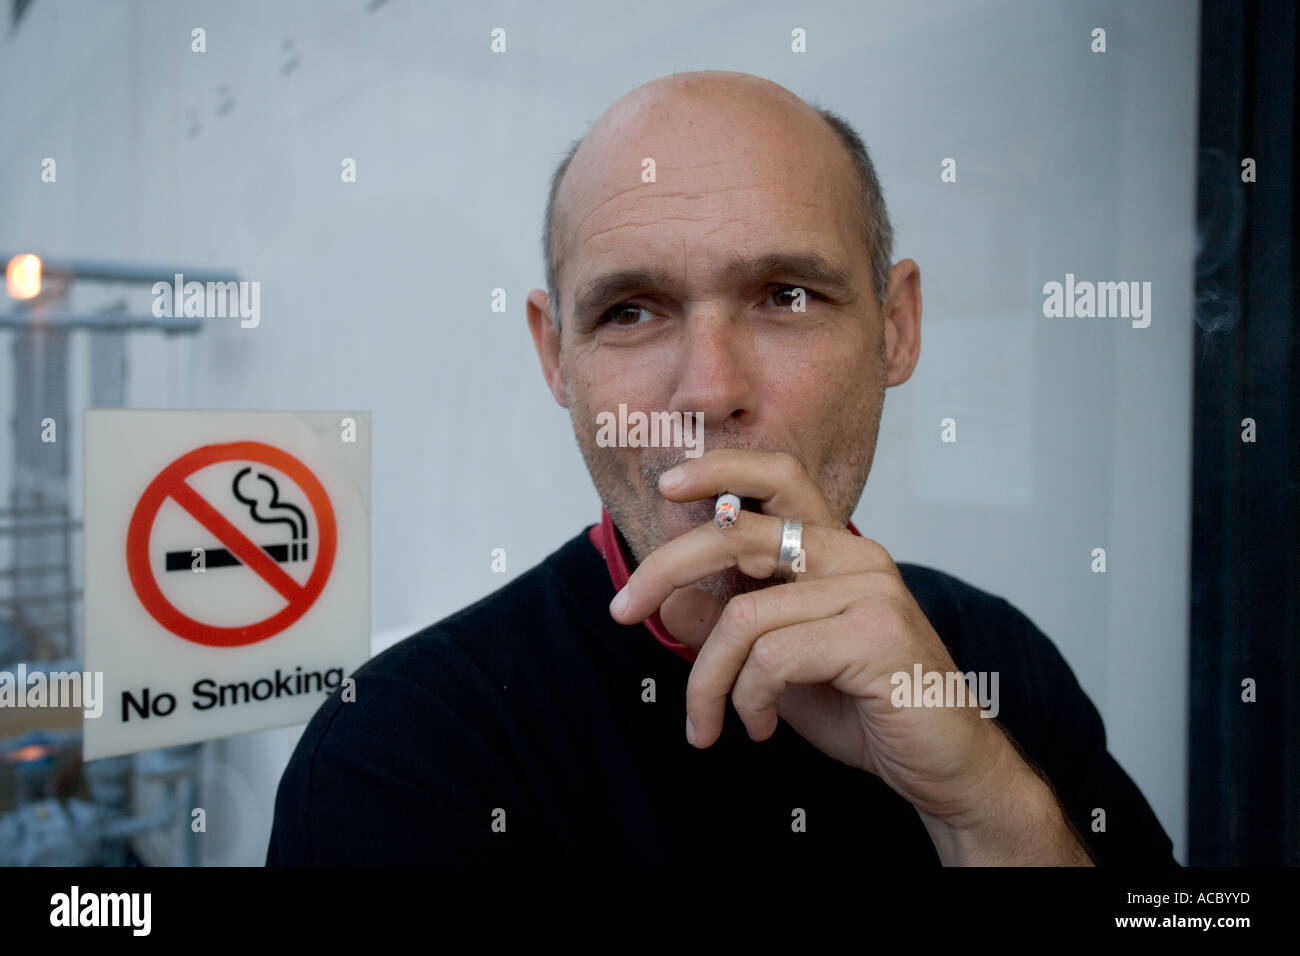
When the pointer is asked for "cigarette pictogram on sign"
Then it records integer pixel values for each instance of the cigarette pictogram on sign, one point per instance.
(256, 492)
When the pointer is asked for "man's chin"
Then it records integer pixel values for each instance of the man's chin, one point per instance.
(679, 517)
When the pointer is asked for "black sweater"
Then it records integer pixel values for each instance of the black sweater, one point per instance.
(518, 730)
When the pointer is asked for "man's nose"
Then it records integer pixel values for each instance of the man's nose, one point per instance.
(715, 373)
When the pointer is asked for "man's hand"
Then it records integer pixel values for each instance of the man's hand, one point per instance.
(820, 651)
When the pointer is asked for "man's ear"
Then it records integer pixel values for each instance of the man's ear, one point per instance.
(902, 322)
(546, 339)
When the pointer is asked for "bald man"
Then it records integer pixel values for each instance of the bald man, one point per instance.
(719, 263)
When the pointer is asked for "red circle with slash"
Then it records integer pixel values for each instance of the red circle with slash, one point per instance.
(171, 483)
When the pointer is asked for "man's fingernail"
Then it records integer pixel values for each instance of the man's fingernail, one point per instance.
(617, 605)
(671, 478)
(690, 730)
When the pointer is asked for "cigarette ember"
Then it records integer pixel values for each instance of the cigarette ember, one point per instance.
(727, 511)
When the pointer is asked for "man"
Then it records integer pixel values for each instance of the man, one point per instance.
(718, 248)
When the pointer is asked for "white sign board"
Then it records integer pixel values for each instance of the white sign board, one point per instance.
(227, 570)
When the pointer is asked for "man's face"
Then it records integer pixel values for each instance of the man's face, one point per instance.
(739, 180)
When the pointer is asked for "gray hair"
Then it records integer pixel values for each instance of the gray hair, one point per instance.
(873, 217)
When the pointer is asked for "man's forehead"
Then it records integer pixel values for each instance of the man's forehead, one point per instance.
(699, 160)
(721, 222)
(739, 230)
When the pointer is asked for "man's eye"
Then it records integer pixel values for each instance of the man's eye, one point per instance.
(624, 314)
(778, 291)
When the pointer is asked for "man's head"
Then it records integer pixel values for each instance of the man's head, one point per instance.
(745, 175)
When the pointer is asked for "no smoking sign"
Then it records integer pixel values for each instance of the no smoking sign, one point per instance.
(261, 469)
(227, 569)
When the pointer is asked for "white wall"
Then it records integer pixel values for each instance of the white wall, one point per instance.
(1072, 434)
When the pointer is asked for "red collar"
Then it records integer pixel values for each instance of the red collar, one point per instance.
(606, 539)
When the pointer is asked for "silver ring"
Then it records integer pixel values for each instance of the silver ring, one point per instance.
(791, 546)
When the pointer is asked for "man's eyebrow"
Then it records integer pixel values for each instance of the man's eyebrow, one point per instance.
(812, 267)
(608, 287)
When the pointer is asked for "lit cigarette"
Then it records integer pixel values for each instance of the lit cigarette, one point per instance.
(727, 511)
